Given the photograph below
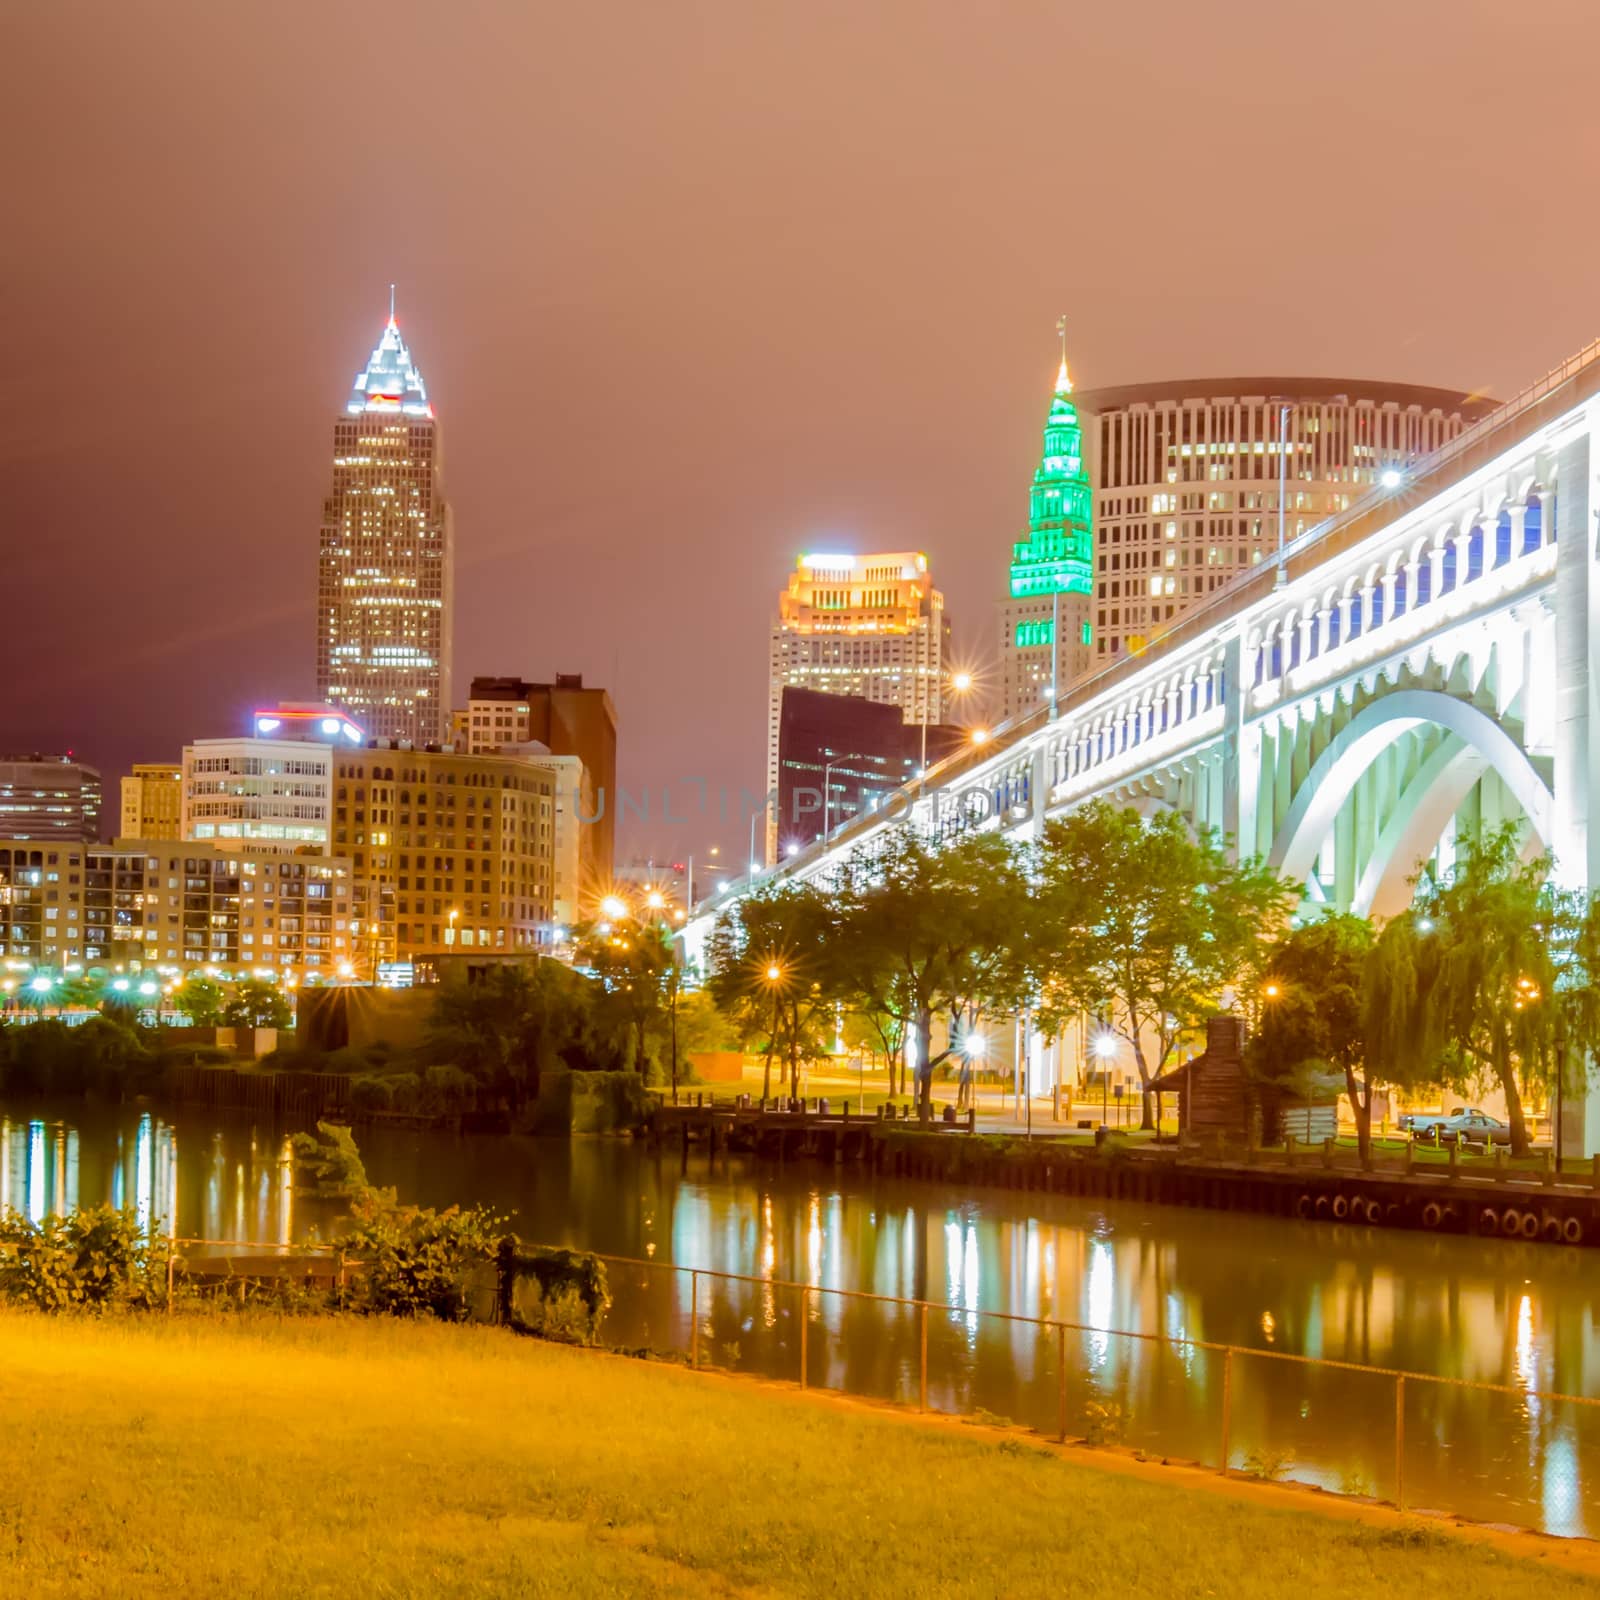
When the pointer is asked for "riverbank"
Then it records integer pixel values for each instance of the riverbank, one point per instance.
(263, 1457)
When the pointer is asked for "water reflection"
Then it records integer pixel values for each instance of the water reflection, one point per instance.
(1526, 1316)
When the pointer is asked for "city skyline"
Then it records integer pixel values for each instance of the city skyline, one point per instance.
(535, 332)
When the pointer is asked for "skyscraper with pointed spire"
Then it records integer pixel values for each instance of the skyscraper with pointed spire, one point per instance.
(1045, 631)
(384, 575)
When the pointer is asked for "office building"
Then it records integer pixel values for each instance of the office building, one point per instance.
(148, 903)
(152, 801)
(870, 626)
(384, 574)
(463, 844)
(1045, 617)
(48, 797)
(1186, 479)
(568, 719)
(260, 795)
(839, 755)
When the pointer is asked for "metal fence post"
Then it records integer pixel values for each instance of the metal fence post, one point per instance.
(922, 1388)
(694, 1320)
(1400, 1442)
(805, 1306)
(1061, 1382)
(1227, 1404)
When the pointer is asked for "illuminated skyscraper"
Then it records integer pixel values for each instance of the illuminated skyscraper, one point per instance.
(872, 626)
(1044, 620)
(384, 582)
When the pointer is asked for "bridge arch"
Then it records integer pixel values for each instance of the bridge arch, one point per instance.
(1483, 745)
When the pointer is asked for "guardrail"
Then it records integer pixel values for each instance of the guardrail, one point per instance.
(1487, 1451)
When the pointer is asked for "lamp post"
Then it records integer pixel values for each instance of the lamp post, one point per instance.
(960, 683)
(774, 977)
(1283, 485)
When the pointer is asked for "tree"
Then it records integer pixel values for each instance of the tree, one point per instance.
(631, 960)
(772, 971)
(512, 1022)
(254, 1003)
(1312, 1014)
(1491, 977)
(1145, 924)
(200, 1000)
(924, 932)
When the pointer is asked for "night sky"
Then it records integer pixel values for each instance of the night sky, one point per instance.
(695, 287)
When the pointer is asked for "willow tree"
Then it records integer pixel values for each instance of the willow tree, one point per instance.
(1490, 978)
(1146, 924)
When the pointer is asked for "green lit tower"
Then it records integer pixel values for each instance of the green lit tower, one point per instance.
(1044, 620)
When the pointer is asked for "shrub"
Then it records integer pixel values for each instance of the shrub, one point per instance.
(368, 1093)
(96, 1259)
(419, 1263)
(405, 1091)
(333, 1163)
(573, 1295)
(447, 1088)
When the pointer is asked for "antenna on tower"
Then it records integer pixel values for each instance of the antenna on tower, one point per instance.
(391, 316)
(1063, 382)
(1061, 328)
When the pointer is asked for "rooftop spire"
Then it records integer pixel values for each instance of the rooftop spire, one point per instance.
(391, 381)
(391, 322)
(1063, 381)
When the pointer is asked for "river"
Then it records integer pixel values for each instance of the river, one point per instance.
(1526, 1316)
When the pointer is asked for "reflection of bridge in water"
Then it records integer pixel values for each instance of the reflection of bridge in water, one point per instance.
(1421, 664)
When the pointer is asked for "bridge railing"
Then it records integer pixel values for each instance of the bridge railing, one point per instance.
(1506, 1453)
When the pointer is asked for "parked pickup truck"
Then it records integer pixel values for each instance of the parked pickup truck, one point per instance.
(1467, 1126)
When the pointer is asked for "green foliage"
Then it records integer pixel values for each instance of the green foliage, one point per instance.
(102, 1055)
(513, 1022)
(572, 1299)
(1492, 977)
(331, 1161)
(200, 999)
(254, 1003)
(1311, 1020)
(419, 1263)
(1144, 924)
(97, 1260)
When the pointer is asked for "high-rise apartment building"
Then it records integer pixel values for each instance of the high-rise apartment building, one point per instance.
(152, 801)
(169, 903)
(48, 797)
(568, 720)
(272, 796)
(1186, 479)
(1044, 619)
(871, 626)
(384, 574)
(462, 844)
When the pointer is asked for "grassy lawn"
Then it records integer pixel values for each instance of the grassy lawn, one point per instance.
(334, 1457)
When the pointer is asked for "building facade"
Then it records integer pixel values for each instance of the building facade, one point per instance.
(568, 719)
(1187, 475)
(258, 794)
(869, 626)
(462, 845)
(1045, 629)
(839, 755)
(152, 801)
(148, 903)
(48, 797)
(384, 583)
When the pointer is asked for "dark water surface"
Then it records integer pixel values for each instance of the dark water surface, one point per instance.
(1521, 1315)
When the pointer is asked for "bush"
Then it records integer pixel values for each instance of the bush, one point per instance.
(332, 1161)
(368, 1093)
(448, 1088)
(573, 1295)
(405, 1091)
(97, 1259)
(420, 1263)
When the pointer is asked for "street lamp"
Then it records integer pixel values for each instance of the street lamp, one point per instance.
(774, 977)
(614, 907)
(450, 929)
(980, 736)
(960, 683)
